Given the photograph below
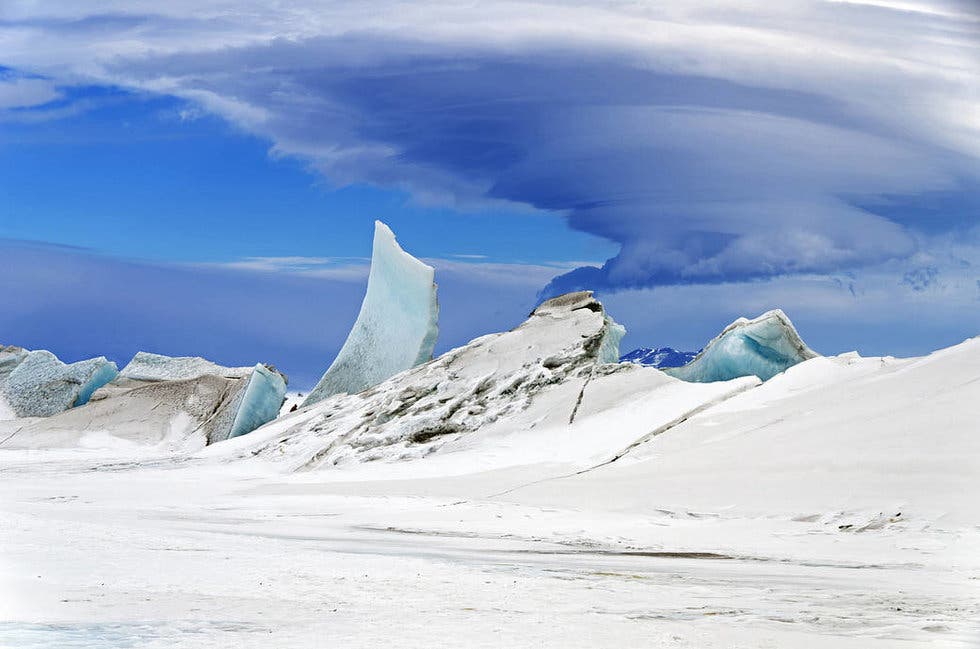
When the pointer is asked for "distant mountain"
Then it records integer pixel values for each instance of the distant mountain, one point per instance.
(659, 357)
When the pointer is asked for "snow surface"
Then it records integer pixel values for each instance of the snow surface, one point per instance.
(658, 357)
(396, 328)
(603, 505)
(40, 385)
(762, 347)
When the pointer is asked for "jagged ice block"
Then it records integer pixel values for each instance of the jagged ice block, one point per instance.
(397, 325)
(762, 347)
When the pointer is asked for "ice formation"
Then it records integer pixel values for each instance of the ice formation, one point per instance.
(37, 384)
(566, 344)
(260, 402)
(146, 366)
(183, 402)
(396, 328)
(762, 347)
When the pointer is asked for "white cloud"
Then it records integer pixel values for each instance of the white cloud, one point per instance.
(18, 92)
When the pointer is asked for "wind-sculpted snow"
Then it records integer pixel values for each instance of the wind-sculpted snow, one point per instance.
(37, 384)
(762, 347)
(559, 349)
(396, 328)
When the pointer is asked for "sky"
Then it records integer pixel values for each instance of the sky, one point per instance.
(201, 178)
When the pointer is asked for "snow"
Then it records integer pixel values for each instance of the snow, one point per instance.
(762, 347)
(40, 385)
(574, 503)
(396, 328)
(488, 385)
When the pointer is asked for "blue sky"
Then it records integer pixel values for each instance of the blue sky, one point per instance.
(201, 178)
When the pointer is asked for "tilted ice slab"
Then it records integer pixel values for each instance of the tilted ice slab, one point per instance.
(555, 369)
(146, 366)
(37, 384)
(260, 400)
(762, 347)
(181, 403)
(396, 328)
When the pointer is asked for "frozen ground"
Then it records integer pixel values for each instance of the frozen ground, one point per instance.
(833, 506)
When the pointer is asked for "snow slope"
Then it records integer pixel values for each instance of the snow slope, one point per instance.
(574, 504)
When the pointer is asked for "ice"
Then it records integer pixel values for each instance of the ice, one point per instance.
(40, 385)
(396, 328)
(10, 357)
(762, 347)
(261, 400)
(609, 345)
(201, 403)
(146, 366)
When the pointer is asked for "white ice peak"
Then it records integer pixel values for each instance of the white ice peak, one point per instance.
(396, 328)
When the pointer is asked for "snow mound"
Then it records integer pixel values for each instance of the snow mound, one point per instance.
(762, 347)
(396, 328)
(37, 384)
(563, 345)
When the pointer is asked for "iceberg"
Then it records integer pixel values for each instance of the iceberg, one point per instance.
(397, 325)
(762, 347)
(40, 385)
(183, 403)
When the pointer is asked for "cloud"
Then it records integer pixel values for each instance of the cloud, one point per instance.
(714, 142)
(19, 92)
